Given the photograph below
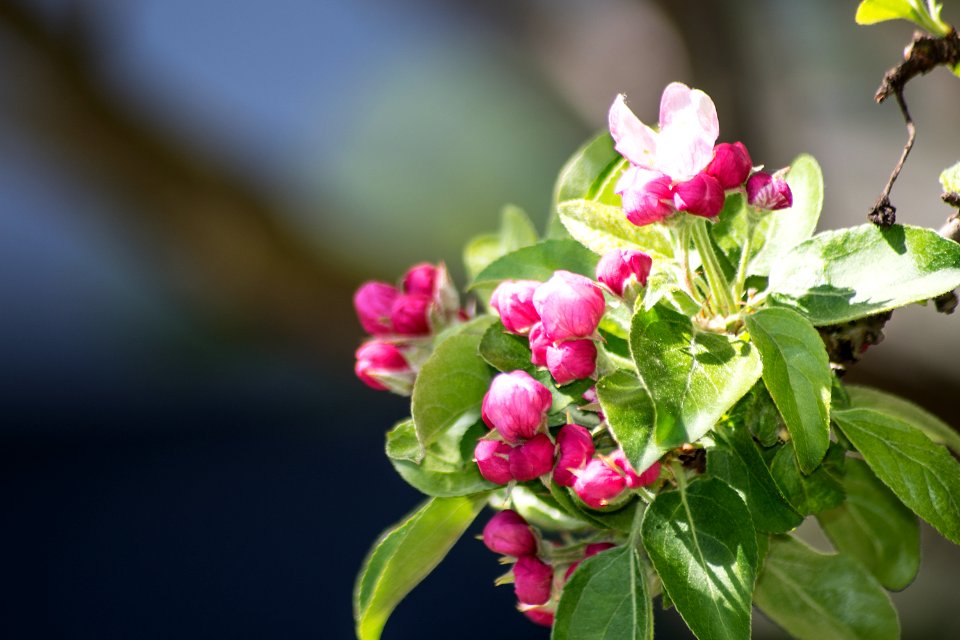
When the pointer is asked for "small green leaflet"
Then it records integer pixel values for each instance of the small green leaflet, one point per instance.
(842, 275)
(815, 596)
(702, 542)
(446, 467)
(450, 385)
(606, 599)
(916, 11)
(935, 428)
(538, 507)
(629, 410)
(811, 493)
(874, 527)
(922, 473)
(950, 179)
(539, 261)
(602, 227)
(505, 351)
(736, 460)
(516, 232)
(405, 555)
(693, 376)
(589, 172)
(796, 372)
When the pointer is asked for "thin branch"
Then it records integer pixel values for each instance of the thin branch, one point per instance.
(883, 212)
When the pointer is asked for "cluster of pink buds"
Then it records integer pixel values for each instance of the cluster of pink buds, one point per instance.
(515, 406)
(679, 167)
(397, 318)
(536, 582)
(559, 317)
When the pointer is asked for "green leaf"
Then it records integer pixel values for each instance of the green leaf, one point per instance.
(922, 473)
(736, 461)
(606, 599)
(539, 261)
(405, 555)
(693, 376)
(516, 231)
(807, 494)
(630, 414)
(935, 429)
(703, 544)
(450, 387)
(758, 413)
(874, 11)
(540, 509)
(505, 351)
(950, 179)
(847, 274)
(773, 232)
(447, 467)
(402, 443)
(620, 519)
(601, 227)
(590, 172)
(796, 372)
(874, 527)
(815, 596)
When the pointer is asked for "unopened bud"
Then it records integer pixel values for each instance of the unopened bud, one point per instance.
(634, 479)
(618, 266)
(382, 366)
(410, 314)
(647, 196)
(591, 550)
(731, 164)
(516, 405)
(570, 306)
(539, 343)
(373, 302)
(532, 580)
(597, 484)
(532, 459)
(770, 192)
(508, 534)
(421, 279)
(701, 195)
(572, 360)
(513, 301)
(542, 616)
(492, 457)
(576, 448)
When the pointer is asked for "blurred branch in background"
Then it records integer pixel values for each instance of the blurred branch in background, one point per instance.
(220, 240)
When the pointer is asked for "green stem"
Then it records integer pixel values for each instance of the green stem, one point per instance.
(744, 260)
(719, 287)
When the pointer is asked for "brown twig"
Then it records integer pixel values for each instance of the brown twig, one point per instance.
(924, 54)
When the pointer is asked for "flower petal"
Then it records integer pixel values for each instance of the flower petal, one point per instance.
(688, 130)
(647, 195)
(635, 141)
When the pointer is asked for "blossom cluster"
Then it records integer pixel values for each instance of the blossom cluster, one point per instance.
(537, 582)
(679, 167)
(399, 321)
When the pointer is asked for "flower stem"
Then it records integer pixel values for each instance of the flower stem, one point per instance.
(719, 287)
(744, 259)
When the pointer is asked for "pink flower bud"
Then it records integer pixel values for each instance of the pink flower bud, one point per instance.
(539, 343)
(540, 615)
(373, 301)
(771, 192)
(597, 547)
(634, 480)
(509, 534)
(572, 360)
(492, 457)
(576, 448)
(513, 300)
(647, 195)
(570, 306)
(590, 395)
(701, 195)
(598, 483)
(381, 366)
(516, 405)
(532, 459)
(410, 314)
(532, 580)
(618, 266)
(731, 164)
(421, 279)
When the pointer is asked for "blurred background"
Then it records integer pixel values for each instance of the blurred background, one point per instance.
(192, 190)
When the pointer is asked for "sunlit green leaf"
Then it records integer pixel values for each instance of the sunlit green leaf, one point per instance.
(847, 274)
(405, 555)
(935, 428)
(446, 467)
(950, 178)
(916, 11)
(630, 414)
(601, 227)
(505, 351)
(539, 261)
